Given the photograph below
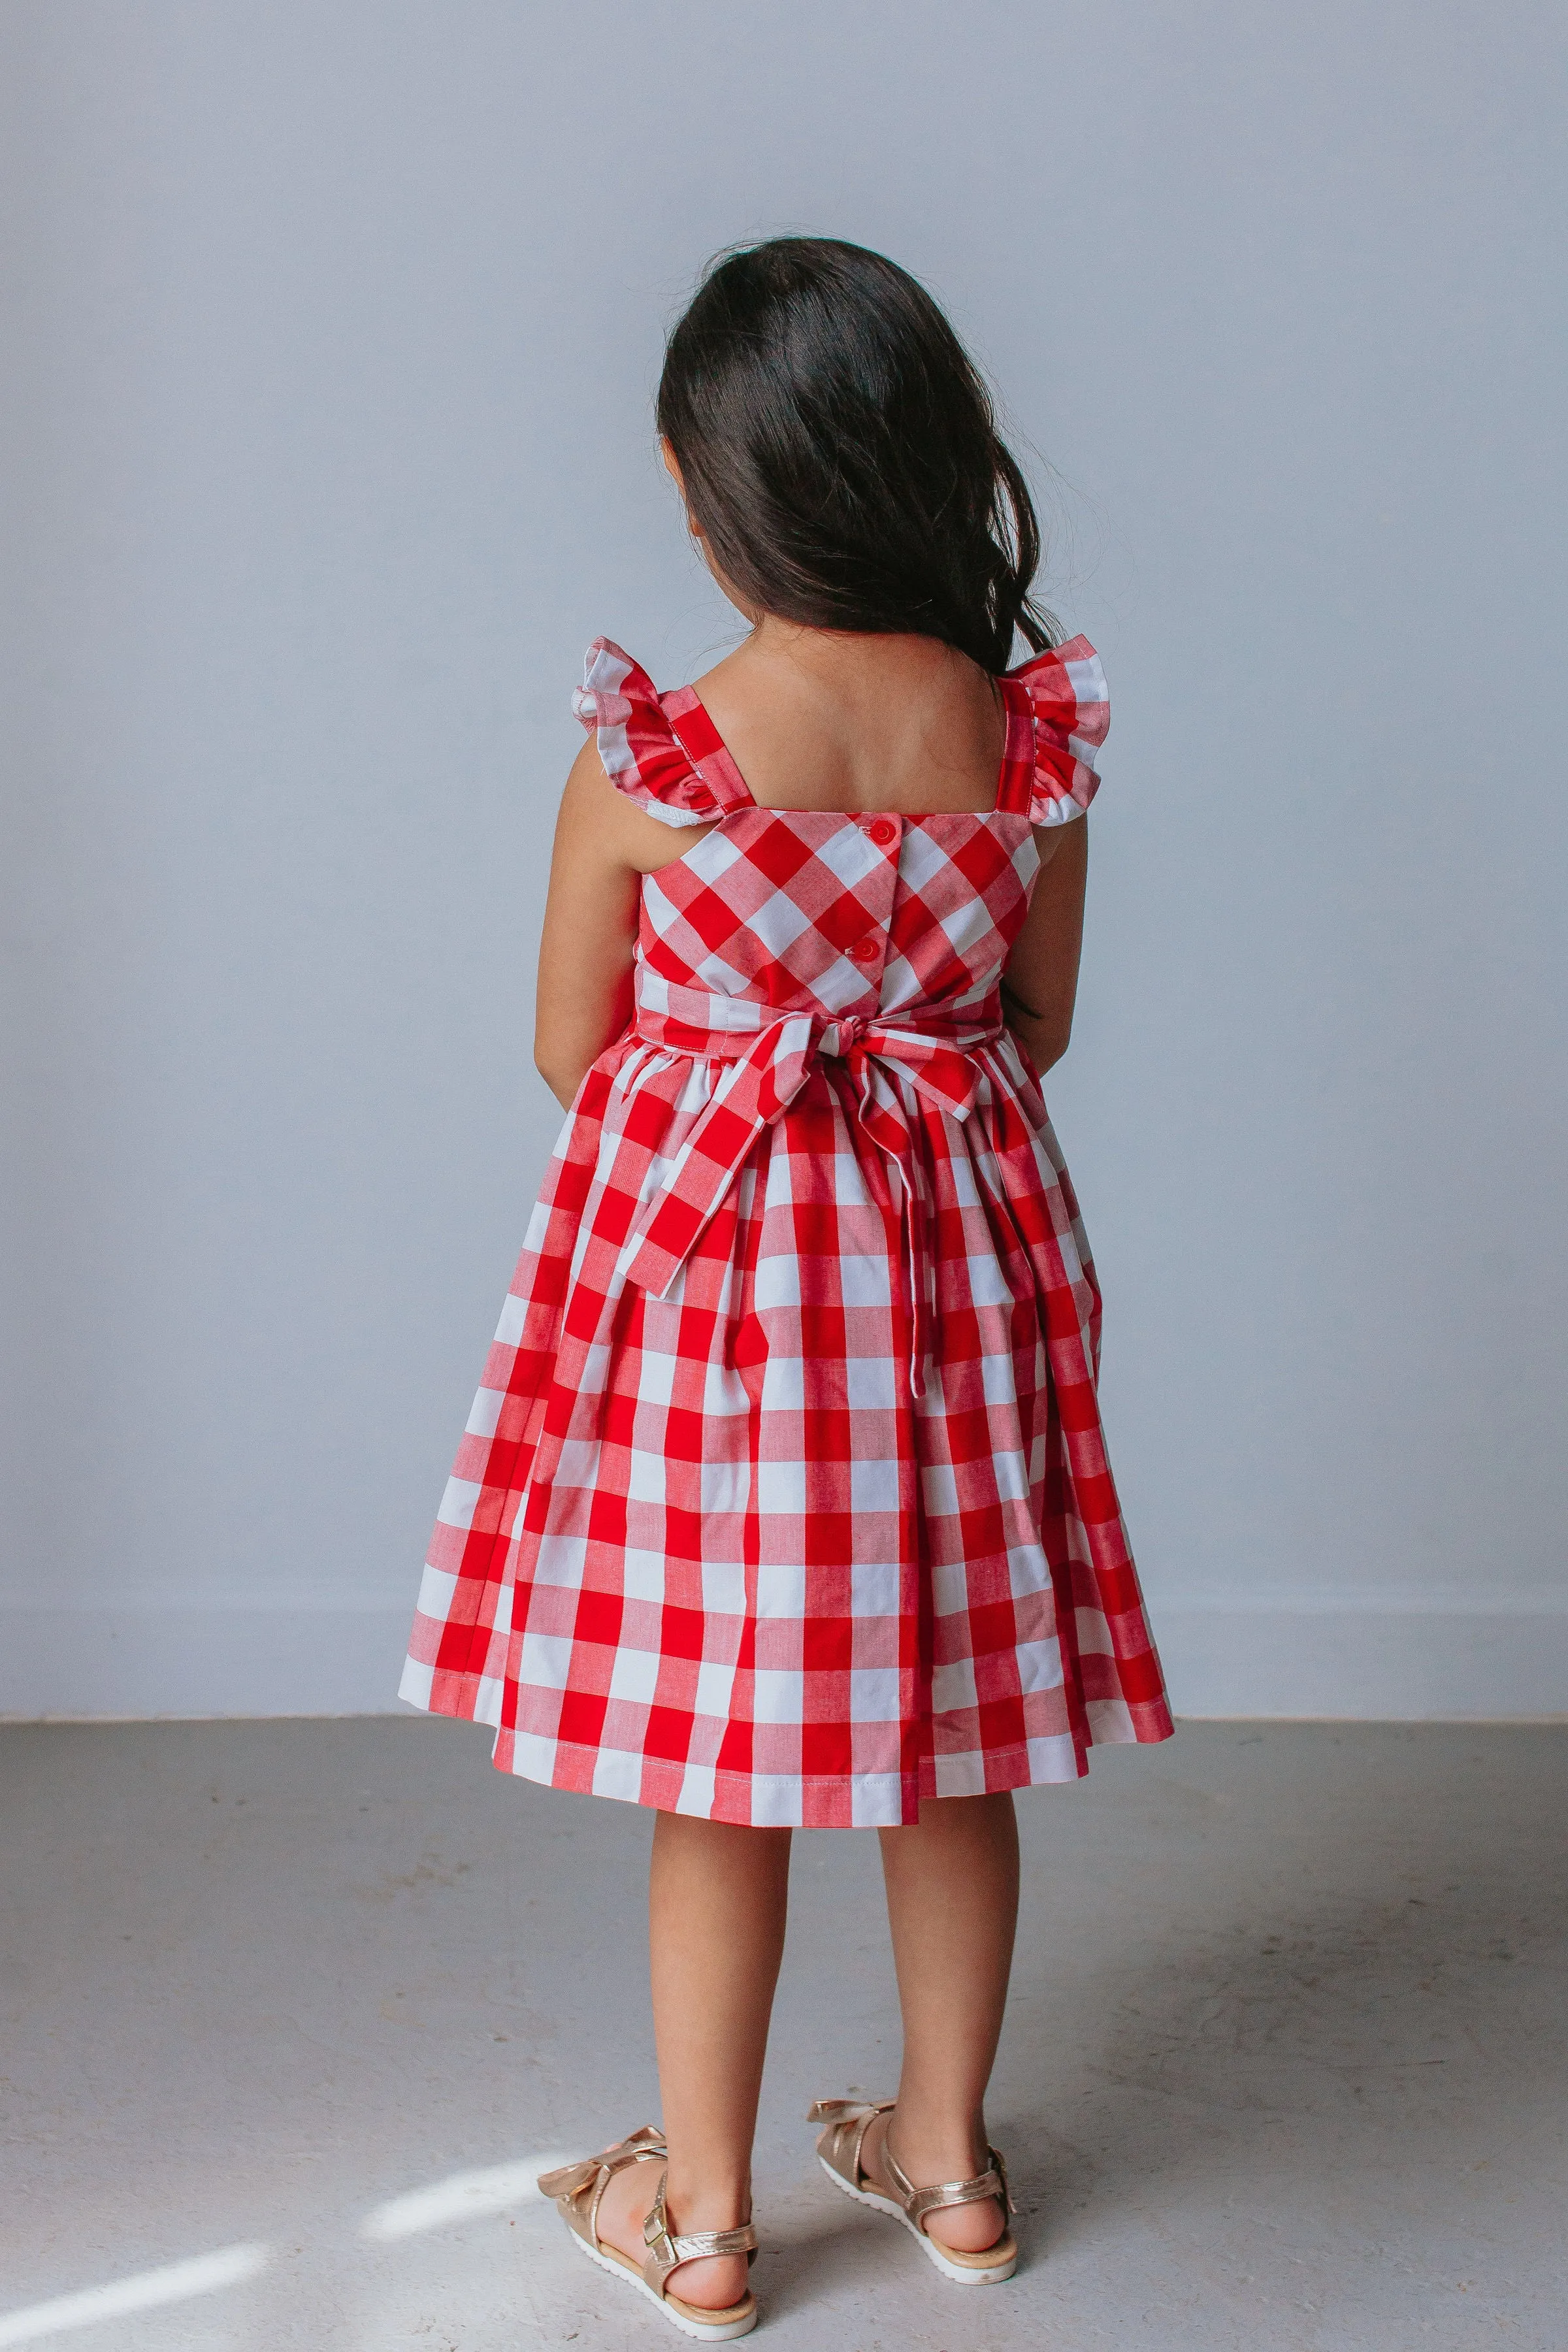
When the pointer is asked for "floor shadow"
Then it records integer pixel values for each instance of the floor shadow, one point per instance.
(1407, 1986)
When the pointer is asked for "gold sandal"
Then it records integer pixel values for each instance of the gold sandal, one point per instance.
(838, 2150)
(577, 2189)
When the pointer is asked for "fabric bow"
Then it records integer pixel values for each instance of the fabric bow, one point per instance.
(571, 2180)
(756, 1087)
(846, 2111)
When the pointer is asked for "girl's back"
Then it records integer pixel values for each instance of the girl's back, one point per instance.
(815, 720)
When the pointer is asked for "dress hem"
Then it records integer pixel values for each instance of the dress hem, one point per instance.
(804, 1800)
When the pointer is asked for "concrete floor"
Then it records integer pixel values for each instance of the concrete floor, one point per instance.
(1286, 2064)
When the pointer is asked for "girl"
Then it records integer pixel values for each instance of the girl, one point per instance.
(784, 1503)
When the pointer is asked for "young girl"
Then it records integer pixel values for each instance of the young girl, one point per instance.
(783, 1503)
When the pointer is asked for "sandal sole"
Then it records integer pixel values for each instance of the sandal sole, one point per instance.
(959, 2272)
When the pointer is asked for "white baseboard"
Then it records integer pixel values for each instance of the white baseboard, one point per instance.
(1366, 1665)
(170, 1661)
(1356, 1665)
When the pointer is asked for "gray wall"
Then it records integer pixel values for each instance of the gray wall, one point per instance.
(333, 333)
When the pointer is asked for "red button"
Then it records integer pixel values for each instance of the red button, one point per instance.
(882, 832)
(864, 950)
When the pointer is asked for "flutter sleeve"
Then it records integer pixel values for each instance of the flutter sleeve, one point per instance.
(641, 755)
(1072, 717)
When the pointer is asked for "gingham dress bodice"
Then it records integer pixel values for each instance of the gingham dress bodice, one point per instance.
(785, 1498)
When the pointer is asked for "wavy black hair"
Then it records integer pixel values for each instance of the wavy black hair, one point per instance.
(839, 452)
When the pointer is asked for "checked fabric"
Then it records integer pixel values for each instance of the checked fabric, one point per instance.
(785, 1500)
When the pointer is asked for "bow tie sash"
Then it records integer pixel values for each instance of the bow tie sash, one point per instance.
(756, 1086)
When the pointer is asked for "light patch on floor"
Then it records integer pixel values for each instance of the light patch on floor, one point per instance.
(148, 2291)
(462, 2197)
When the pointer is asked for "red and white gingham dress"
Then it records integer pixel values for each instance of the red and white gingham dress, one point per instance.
(785, 1500)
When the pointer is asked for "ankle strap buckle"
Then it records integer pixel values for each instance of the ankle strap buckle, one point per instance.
(666, 2254)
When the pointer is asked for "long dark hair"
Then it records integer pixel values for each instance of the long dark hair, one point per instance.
(839, 451)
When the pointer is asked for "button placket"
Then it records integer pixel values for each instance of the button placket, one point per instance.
(883, 832)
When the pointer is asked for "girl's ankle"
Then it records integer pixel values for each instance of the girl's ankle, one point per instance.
(931, 2148)
(696, 2200)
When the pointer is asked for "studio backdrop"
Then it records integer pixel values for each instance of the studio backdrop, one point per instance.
(332, 327)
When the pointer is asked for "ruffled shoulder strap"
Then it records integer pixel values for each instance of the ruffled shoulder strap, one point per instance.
(1059, 697)
(643, 754)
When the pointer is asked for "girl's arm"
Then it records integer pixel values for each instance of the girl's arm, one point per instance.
(603, 845)
(1039, 981)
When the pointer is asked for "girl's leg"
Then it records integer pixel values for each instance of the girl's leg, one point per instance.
(952, 1906)
(717, 1897)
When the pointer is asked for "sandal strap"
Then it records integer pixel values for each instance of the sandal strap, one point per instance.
(918, 2202)
(848, 2121)
(840, 2146)
(578, 2187)
(666, 2254)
